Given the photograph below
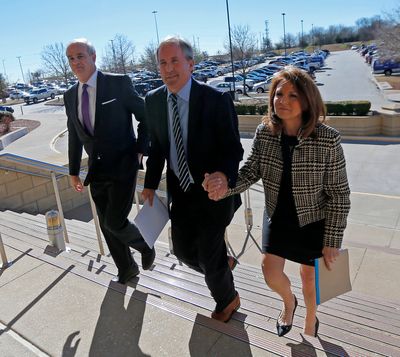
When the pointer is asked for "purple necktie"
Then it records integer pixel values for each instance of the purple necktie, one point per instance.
(85, 110)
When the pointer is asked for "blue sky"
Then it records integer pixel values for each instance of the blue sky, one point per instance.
(29, 25)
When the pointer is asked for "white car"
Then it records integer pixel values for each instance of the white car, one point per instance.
(263, 86)
(17, 94)
(228, 87)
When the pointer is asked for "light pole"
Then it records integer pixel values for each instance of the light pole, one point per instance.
(4, 70)
(20, 66)
(302, 38)
(230, 45)
(155, 21)
(284, 33)
(114, 60)
(312, 36)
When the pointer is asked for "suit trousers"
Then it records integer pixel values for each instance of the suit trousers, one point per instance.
(114, 201)
(198, 241)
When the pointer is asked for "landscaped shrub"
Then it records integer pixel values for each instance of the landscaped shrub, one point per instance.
(355, 107)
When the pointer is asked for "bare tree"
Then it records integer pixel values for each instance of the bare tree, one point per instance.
(3, 87)
(244, 46)
(119, 55)
(55, 61)
(388, 34)
(149, 59)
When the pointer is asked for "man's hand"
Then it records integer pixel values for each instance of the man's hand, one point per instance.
(216, 184)
(76, 183)
(330, 255)
(148, 194)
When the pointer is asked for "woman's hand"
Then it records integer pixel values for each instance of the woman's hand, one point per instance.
(330, 255)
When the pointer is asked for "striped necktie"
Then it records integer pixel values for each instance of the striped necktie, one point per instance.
(184, 177)
(85, 110)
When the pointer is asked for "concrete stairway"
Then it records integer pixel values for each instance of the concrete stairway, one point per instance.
(351, 325)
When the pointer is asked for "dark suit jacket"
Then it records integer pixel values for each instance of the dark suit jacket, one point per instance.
(213, 137)
(113, 148)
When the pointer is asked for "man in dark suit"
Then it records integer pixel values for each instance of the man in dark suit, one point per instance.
(195, 129)
(99, 110)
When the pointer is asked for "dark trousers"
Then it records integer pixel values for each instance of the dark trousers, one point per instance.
(114, 201)
(198, 241)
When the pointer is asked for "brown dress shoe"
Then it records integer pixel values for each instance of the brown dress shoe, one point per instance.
(226, 314)
(232, 262)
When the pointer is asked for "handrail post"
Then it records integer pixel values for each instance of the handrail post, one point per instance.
(96, 222)
(3, 254)
(59, 206)
(248, 213)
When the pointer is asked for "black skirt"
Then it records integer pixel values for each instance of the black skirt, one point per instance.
(298, 244)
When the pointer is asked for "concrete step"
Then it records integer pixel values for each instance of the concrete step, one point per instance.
(374, 325)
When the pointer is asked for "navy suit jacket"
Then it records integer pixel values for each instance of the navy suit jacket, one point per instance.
(213, 139)
(113, 148)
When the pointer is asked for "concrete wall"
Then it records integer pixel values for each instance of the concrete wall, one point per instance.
(377, 124)
(32, 194)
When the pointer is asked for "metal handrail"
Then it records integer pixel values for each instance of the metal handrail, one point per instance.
(52, 170)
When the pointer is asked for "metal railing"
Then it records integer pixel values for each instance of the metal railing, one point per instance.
(54, 173)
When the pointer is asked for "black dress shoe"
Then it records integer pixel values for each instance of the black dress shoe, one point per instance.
(126, 276)
(148, 259)
(282, 330)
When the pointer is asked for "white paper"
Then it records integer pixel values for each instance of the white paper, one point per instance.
(151, 220)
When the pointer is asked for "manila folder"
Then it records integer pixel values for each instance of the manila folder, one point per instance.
(334, 282)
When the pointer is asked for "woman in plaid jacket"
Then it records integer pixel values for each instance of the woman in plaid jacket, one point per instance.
(307, 197)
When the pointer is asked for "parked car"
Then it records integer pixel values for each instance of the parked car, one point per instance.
(4, 108)
(142, 88)
(38, 94)
(228, 87)
(387, 67)
(17, 94)
(239, 79)
(263, 86)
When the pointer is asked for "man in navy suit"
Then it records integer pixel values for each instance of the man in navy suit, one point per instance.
(99, 110)
(207, 142)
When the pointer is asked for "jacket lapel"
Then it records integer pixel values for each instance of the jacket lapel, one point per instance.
(100, 92)
(194, 113)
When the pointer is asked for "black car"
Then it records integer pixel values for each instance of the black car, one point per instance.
(4, 108)
(142, 88)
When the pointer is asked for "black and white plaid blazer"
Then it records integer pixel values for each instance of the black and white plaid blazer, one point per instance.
(319, 179)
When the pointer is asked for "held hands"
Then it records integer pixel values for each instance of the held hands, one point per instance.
(216, 184)
(76, 183)
(330, 255)
(148, 194)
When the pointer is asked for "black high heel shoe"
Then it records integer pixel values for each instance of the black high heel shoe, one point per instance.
(316, 327)
(282, 330)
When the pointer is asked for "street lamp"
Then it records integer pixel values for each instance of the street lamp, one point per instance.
(230, 44)
(302, 38)
(20, 66)
(155, 21)
(284, 34)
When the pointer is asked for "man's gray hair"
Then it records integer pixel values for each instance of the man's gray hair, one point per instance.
(83, 41)
(184, 45)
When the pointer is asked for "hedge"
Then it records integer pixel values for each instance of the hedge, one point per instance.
(347, 108)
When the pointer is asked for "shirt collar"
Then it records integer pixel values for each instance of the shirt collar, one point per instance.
(184, 93)
(92, 81)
